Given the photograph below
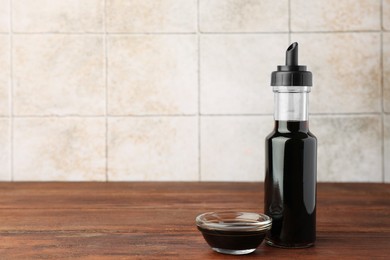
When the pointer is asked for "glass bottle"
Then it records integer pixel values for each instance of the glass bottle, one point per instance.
(291, 159)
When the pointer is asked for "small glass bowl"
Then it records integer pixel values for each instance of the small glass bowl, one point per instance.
(234, 233)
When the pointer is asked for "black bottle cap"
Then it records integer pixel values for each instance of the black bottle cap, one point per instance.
(291, 74)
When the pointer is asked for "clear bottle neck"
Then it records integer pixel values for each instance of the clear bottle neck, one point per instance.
(291, 103)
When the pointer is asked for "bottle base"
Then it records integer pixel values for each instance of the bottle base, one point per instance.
(281, 245)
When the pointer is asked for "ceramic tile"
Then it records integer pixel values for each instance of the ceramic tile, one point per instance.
(59, 149)
(346, 71)
(4, 74)
(151, 16)
(243, 16)
(335, 15)
(386, 71)
(58, 74)
(152, 74)
(5, 173)
(153, 148)
(58, 16)
(4, 16)
(387, 148)
(349, 148)
(235, 72)
(232, 148)
(386, 15)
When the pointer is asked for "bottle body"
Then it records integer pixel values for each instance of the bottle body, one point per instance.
(291, 170)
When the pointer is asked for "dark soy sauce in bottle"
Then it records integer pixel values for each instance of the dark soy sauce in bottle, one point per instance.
(291, 159)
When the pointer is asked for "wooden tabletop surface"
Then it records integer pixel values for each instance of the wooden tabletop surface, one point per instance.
(157, 220)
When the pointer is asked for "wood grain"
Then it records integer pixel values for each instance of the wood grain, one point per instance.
(157, 220)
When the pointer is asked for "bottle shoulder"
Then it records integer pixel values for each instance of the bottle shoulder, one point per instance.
(291, 135)
(311, 135)
(291, 130)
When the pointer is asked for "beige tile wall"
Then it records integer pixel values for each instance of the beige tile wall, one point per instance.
(234, 70)
(59, 148)
(335, 15)
(157, 16)
(58, 75)
(153, 148)
(5, 73)
(152, 74)
(57, 16)
(146, 90)
(5, 12)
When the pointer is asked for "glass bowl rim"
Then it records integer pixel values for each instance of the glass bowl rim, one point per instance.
(261, 222)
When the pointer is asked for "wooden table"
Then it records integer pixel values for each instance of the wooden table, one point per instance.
(156, 220)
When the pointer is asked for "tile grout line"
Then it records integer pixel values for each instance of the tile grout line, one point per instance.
(199, 91)
(104, 33)
(382, 92)
(311, 114)
(192, 33)
(105, 56)
(102, 116)
(336, 31)
(11, 94)
(382, 113)
(186, 115)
